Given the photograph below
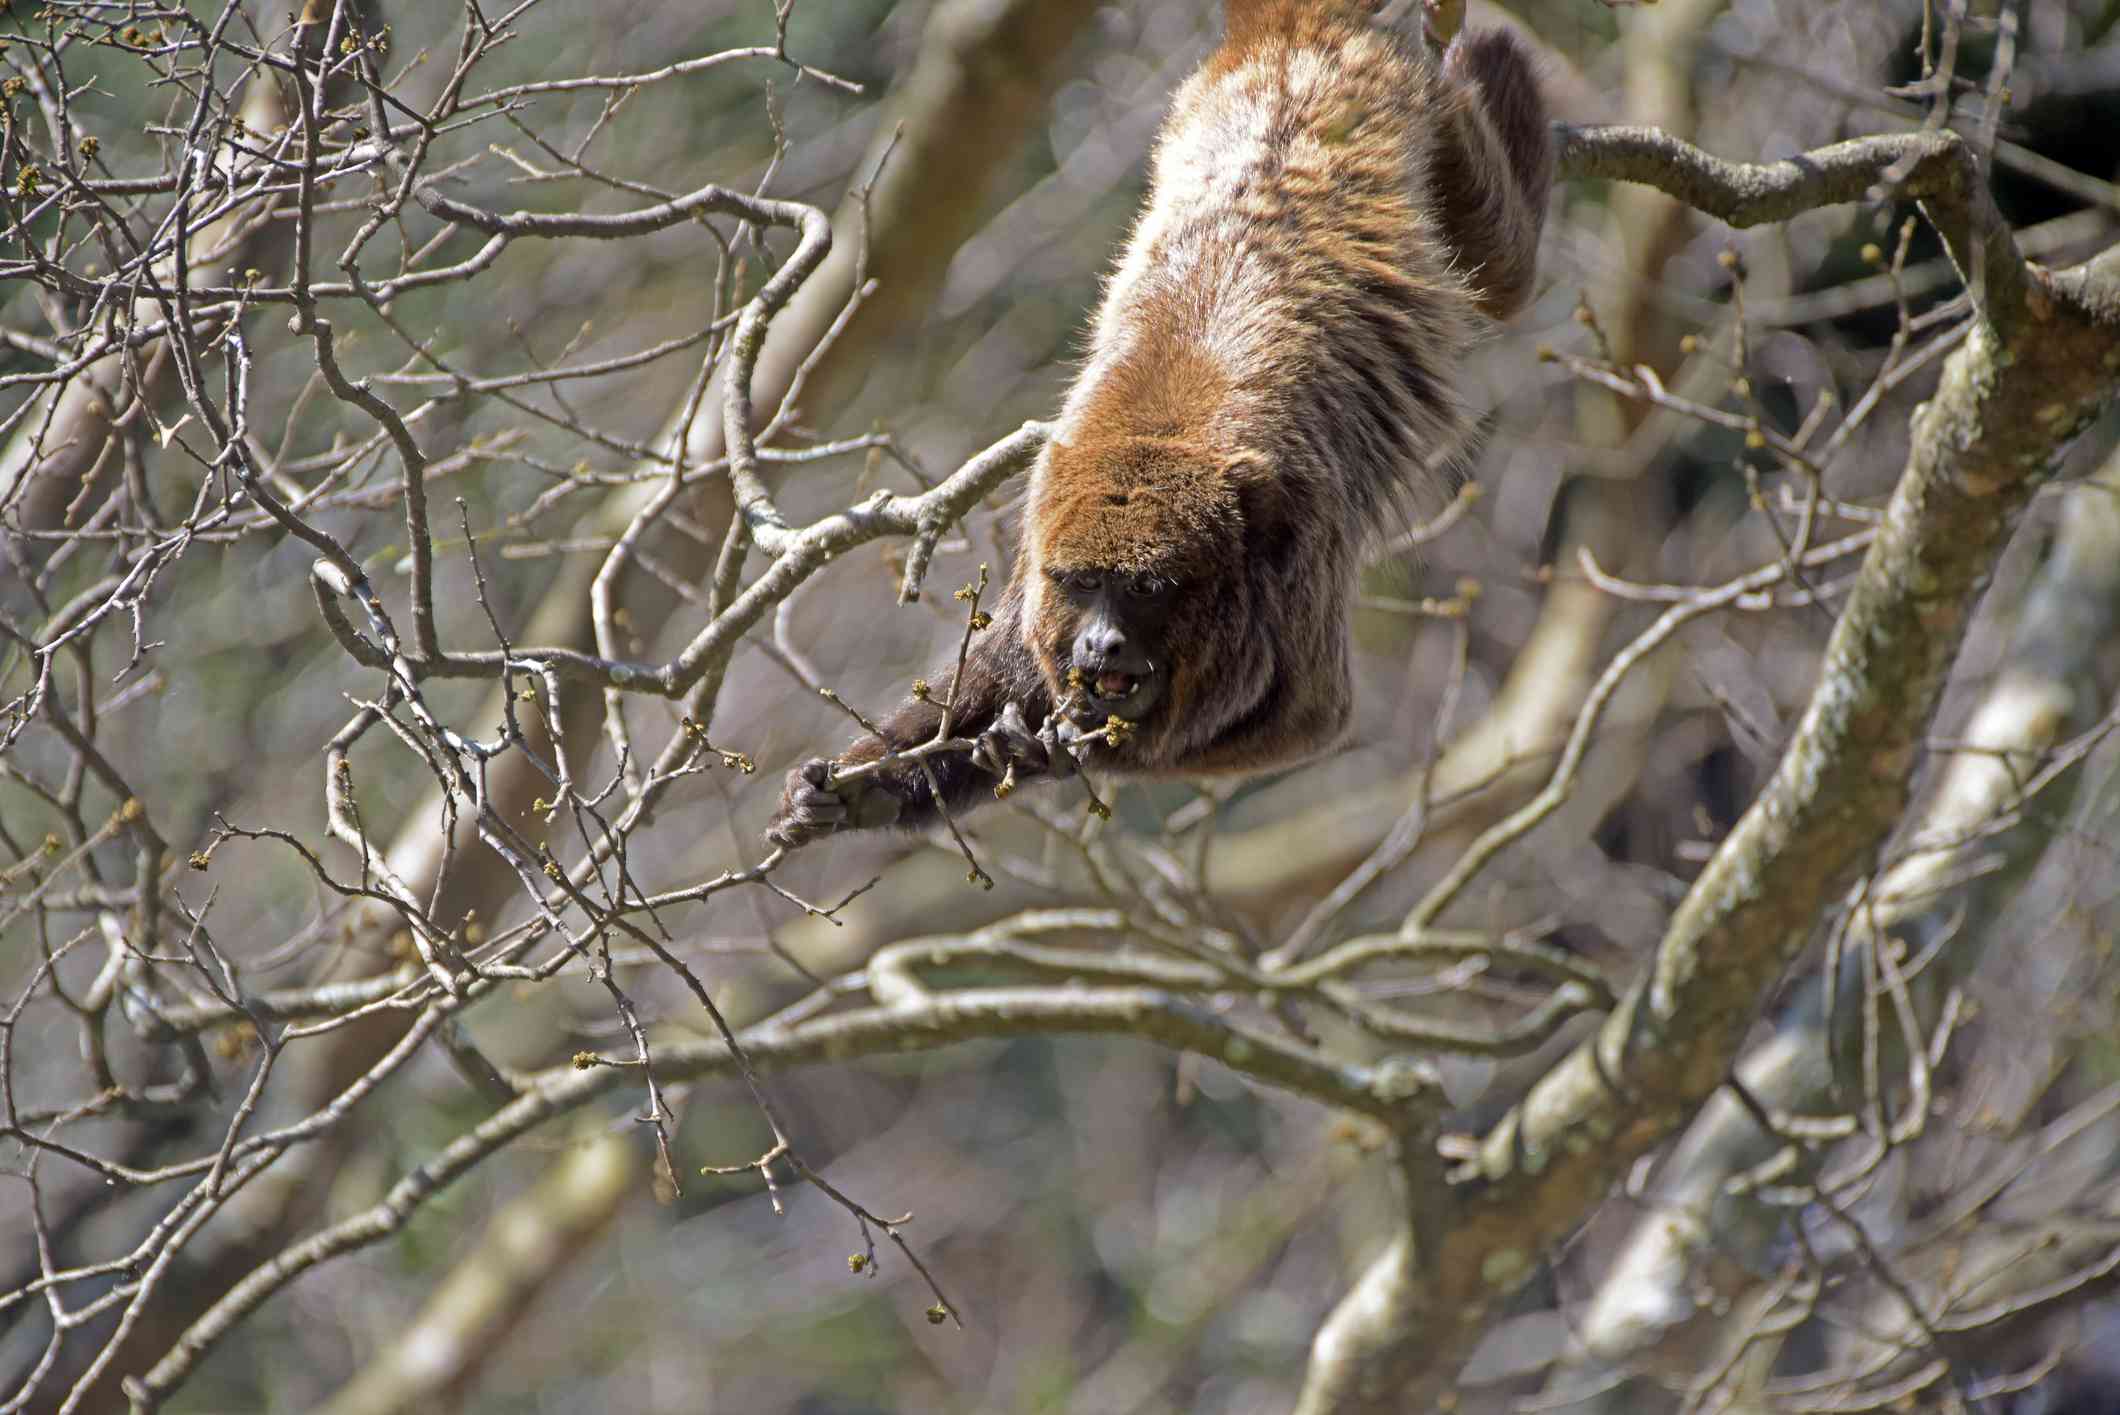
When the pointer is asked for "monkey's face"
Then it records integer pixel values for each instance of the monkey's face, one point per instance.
(1111, 640)
(1125, 539)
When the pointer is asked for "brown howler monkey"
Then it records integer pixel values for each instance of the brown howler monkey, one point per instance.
(1331, 219)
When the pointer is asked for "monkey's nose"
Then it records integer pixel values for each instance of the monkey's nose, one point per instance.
(1100, 644)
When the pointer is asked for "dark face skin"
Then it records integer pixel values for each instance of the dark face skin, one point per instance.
(1119, 622)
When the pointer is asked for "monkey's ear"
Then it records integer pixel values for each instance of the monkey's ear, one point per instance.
(1267, 501)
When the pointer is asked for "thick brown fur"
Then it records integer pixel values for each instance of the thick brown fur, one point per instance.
(1332, 223)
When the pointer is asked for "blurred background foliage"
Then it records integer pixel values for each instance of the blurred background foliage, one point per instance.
(1123, 1230)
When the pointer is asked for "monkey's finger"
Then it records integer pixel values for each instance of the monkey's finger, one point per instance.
(799, 823)
(1055, 737)
(1022, 743)
(817, 806)
(789, 833)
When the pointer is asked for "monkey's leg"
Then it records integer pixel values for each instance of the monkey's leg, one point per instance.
(1493, 167)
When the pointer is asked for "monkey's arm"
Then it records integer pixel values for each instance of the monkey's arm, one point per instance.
(1284, 740)
(1303, 712)
(999, 675)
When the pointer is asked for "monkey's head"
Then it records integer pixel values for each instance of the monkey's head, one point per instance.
(1136, 548)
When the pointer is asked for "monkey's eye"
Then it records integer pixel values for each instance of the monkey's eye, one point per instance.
(1145, 587)
(1085, 582)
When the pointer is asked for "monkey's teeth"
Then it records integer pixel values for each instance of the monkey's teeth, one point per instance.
(1114, 685)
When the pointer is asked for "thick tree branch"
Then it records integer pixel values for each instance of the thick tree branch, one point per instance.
(1934, 167)
(2040, 361)
(1952, 876)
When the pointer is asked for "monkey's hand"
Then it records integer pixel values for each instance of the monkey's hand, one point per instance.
(813, 804)
(1011, 750)
(1069, 741)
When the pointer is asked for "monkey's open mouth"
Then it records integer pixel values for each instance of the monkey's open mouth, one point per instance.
(1113, 692)
(1113, 687)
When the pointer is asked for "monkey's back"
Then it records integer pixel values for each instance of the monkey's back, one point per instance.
(1287, 292)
